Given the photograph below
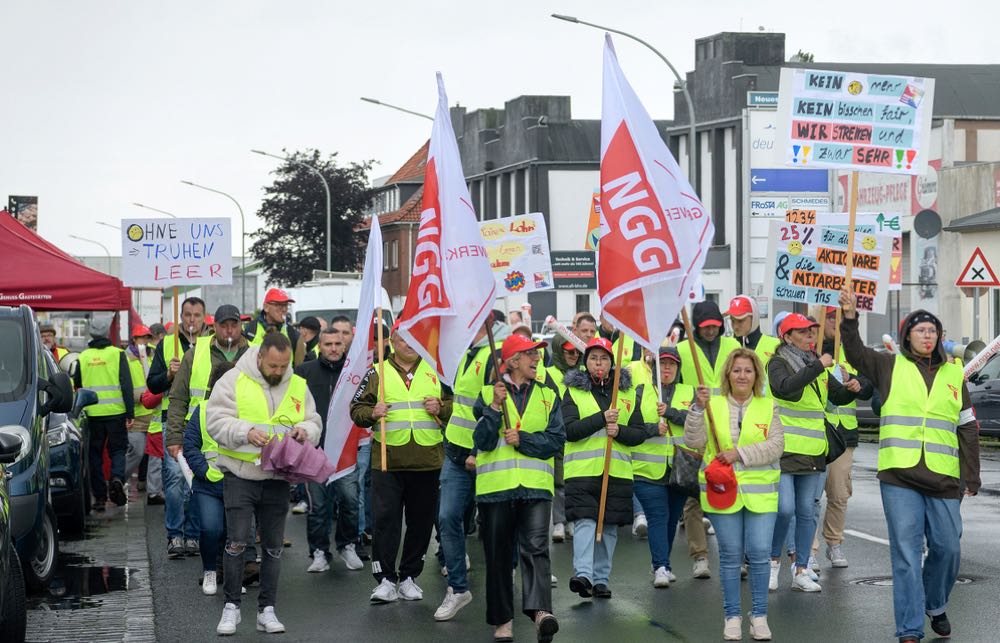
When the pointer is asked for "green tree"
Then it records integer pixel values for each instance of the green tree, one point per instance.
(292, 242)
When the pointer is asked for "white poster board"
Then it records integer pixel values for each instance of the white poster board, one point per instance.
(161, 253)
(518, 250)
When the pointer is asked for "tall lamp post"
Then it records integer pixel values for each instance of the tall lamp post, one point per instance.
(326, 187)
(103, 247)
(169, 214)
(682, 83)
(375, 101)
(243, 237)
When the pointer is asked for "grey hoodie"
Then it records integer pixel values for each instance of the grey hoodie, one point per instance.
(230, 432)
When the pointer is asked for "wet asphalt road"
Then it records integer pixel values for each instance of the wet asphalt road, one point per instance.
(855, 605)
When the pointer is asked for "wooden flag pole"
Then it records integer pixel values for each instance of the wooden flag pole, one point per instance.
(496, 368)
(852, 218)
(177, 325)
(701, 378)
(381, 386)
(821, 330)
(607, 446)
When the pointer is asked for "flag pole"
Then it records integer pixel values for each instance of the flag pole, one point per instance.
(852, 218)
(381, 386)
(496, 367)
(177, 325)
(607, 446)
(701, 378)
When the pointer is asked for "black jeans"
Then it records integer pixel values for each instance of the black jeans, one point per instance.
(526, 524)
(395, 494)
(108, 429)
(267, 500)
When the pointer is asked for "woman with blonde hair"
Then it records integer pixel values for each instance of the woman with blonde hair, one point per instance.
(743, 443)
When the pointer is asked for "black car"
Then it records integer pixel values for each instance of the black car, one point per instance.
(984, 389)
(69, 468)
(13, 611)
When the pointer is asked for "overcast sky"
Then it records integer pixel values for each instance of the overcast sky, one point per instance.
(116, 101)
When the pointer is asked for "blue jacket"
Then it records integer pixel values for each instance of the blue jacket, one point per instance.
(196, 459)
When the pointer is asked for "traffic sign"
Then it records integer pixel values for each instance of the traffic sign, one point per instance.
(978, 273)
(781, 180)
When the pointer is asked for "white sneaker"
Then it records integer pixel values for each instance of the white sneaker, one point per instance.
(803, 583)
(267, 621)
(230, 619)
(813, 564)
(836, 555)
(209, 586)
(701, 569)
(320, 563)
(660, 577)
(813, 575)
(554, 580)
(385, 592)
(300, 507)
(733, 630)
(709, 529)
(759, 629)
(451, 604)
(639, 526)
(558, 533)
(350, 558)
(468, 563)
(569, 530)
(410, 591)
(772, 583)
(671, 577)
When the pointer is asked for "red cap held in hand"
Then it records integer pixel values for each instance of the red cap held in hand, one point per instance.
(720, 484)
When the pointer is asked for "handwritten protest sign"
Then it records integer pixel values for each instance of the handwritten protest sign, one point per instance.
(854, 121)
(518, 250)
(865, 223)
(807, 264)
(176, 252)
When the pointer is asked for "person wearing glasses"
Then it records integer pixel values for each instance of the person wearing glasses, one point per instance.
(274, 318)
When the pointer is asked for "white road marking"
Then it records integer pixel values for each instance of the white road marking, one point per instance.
(862, 535)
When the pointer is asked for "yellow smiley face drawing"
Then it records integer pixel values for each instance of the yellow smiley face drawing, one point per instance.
(135, 232)
(795, 247)
(868, 243)
(854, 87)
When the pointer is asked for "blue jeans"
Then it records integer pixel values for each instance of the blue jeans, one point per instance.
(342, 491)
(740, 534)
(212, 516)
(592, 559)
(180, 515)
(790, 537)
(796, 497)
(911, 516)
(636, 505)
(365, 488)
(663, 507)
(458, 486)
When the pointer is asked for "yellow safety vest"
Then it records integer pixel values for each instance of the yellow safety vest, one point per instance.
(585, 458)
(757, 487)
(916, 422)
(406, 417)
(559, 379)
(712, 375)
(99, 370)
(209, 447)
(467, 387)
(766, 347)
(505, 468)
(628, 347)
(60, 353)
(260, 331)
(846, 415)
(201, 373)
(251, 406)
(650, 459)
(804, 421)
(135, 368)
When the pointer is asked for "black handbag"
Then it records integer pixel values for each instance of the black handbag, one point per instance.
(684, 472)
(836, 443)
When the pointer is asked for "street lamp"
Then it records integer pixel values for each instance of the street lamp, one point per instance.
(103, 247)
(108, 225)
(155, 210)
(326, 187)
(375, 101)
(243, 236)
(682, 83)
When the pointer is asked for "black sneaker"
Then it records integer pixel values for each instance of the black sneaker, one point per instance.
(580, 585)
(155, 499)
(909, 639)
(602, 591)
(116, 490)
(192, 547)
(175, 548)
(941, 625)
(362, 551)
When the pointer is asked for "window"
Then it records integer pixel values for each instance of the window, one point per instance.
(385, 255)
(395, 254)
(583, 303)
(78, 328)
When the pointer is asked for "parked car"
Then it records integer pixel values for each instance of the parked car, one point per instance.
(984, 389)
(69, 465)
(13, 610)
(29, 392)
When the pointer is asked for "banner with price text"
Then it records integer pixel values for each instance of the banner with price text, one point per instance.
(807, 263)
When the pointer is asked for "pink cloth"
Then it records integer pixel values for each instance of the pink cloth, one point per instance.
(296, 462)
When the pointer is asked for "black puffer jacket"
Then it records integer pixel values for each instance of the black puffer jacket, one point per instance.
(583, 494)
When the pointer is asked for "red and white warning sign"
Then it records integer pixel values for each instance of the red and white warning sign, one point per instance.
(978, 273)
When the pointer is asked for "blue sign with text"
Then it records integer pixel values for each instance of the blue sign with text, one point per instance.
(779, 180)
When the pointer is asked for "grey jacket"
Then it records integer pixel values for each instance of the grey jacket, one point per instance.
(752, 455)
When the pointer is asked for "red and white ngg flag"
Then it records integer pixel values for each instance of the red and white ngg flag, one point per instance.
(452, 285)
(656, 232)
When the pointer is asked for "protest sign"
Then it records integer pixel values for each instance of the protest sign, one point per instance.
(865, 223)
(807, 264)
(854, 121)
(176, 252)
(518, 250)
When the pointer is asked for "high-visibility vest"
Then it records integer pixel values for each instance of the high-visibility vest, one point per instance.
(804, 421)
(201, 373)
(59, 352)
(585, 458)
(846, 415)
(650, 459)
(628, 347)
(406, 416)
(99, 371)
(156, 422)
(168, 354)
(757, 487)
(711, 374)
(915, 421)
(315, 350)
(251, 406)
(137, 369)
(505, 468)
(641, 373)
(559, 379)
(467, 387)
(260, 331)
(766, 347)
(209, 447)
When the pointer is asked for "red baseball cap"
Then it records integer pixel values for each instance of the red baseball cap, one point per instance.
(795, 321)
(209, 319)
(141, 331)
(710, 322)
(600, 342)
(720, 484)
(277, 296)
(518, 344)
(739, 307)
(569, 346)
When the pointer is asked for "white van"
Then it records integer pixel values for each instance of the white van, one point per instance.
(333, 296)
